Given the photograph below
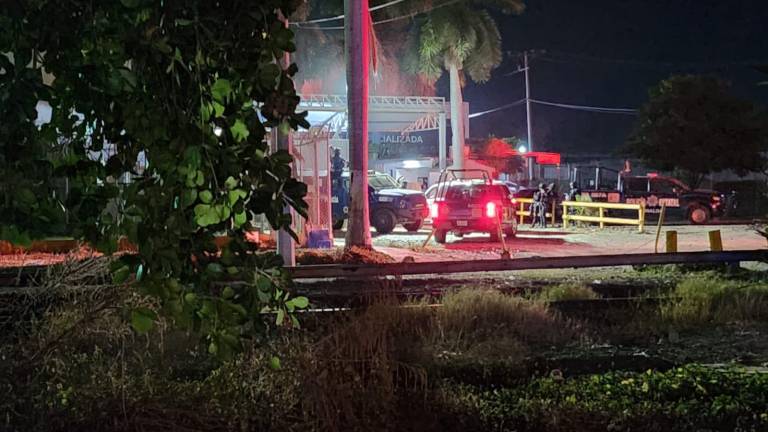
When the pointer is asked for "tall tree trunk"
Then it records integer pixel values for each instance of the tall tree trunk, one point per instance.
(457, 118)
(357, 22)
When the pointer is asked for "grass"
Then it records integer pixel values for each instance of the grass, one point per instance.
(386, 367)
(566, 291)
(710, 298)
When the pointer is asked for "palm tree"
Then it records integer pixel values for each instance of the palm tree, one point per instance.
(463, 39)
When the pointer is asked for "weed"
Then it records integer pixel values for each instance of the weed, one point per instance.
(690, 398)
(708, 298)
(566, 291)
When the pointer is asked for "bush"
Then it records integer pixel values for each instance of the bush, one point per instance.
(708, 298)
(690, 398)
(564, 292)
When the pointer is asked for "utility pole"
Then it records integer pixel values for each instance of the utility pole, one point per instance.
(528, 113)
(285, 244)
(357, 40)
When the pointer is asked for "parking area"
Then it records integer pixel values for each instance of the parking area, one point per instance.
(556, 241)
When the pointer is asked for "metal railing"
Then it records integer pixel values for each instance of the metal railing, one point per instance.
(601, 218)
(375, 103)
(522, 213)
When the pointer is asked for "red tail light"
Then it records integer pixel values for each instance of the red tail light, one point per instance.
(490, 209)
(434, 210)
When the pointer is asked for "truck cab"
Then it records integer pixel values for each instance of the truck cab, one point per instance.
(388, 203)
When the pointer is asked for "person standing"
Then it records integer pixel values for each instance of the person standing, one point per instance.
(337, 166)
(539, 207)
(572, 195)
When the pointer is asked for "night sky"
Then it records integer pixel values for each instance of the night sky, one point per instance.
(608, 53)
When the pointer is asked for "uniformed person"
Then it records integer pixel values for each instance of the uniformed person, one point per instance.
(337, 166)
(572, 195)
(539, 207)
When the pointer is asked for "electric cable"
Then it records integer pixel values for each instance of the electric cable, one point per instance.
(339, 17)
(388, 20)
(604, 110)
(503, 107)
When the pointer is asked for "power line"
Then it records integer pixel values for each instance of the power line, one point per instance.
(595, 109)
(384, 21)
(603, 110)
(339, 17)
(503, 107)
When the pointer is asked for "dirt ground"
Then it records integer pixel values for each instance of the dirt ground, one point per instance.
(552, 242)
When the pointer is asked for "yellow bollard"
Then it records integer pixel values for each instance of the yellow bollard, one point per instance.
(671, 241)
(715, 241)
(554, 213)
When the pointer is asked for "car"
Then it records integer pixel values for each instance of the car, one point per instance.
(432, 190)
(389, 204)
(462, 207)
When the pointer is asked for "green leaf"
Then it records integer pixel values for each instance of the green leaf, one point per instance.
(274, 363)
(206, 196)
(235, 195)
(240, 219)
(280, 317)
(300, 302)
(221, 89)
(131, 4)
(215, 268)
(188, 197)
(200, 179)
(239, 131)
(228, 293)
(218, 109)
(230, 183)
(121, 275)
(143, 319)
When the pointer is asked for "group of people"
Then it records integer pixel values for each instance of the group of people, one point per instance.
(541, 202)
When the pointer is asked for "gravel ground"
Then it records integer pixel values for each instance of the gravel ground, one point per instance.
(551, 242)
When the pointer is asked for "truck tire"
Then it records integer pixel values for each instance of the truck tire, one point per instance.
(698, 214)
(440, 236)
(413, 226)
(338, 224)
(384, 221)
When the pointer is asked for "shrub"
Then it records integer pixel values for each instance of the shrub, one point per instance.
(709, 298)
(564, 292)
(689, 398)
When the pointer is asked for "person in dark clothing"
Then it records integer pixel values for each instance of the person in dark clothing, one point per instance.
(539, 207)
(337, 166)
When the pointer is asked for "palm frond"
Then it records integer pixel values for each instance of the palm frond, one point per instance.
(486, 54)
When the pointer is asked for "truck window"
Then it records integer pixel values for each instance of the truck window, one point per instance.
(636, 184)
(663, 186)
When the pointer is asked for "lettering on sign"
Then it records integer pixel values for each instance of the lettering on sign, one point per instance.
(654, 202)
(402, 139)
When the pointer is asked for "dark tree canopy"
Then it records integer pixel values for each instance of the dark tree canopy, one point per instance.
(191, 84)
(693, 125)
